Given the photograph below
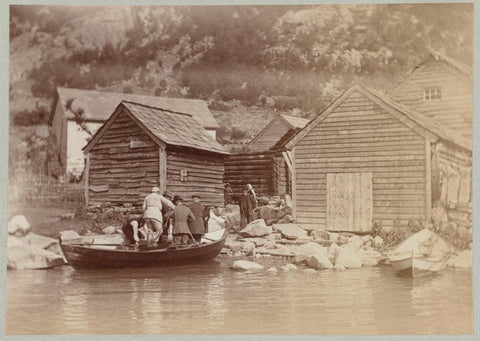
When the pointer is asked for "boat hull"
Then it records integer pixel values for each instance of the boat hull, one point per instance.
(417, 266)
(111, 256)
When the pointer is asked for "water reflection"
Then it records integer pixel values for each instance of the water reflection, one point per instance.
(209, 298)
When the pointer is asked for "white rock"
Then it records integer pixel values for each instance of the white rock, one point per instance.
(109, 230)
(291, 231)
(243, 265)
(233, 245)
(39, 241)
(354, 244)
(368, 257)
(285, 268)
(333, 236)
(248, 247)
(439, 214)
(69, 234)
(18, 225)
(31, 257)
(377, 241)
(320, 262)
(347, 258)
(310, 271)
(338, 267)
(272, 269)
(256, 228)
(291, 266)
(305, 251)
(463, 260)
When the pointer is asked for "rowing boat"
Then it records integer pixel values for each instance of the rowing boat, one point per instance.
(81, 254)
(422, 254)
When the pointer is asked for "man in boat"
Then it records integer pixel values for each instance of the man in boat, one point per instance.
(179, 231)
(152, 206)
(167, 211)
(131, 230)
(247, 204)
(197, 226)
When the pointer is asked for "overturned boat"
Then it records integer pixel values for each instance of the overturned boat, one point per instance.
(422, 254)
(85, 253)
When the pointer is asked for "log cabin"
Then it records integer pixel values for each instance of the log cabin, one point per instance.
(440, 88)
(366, 159)
(141, 146)
(96, 107)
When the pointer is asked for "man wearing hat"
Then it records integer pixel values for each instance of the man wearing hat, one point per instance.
(196, 226)
(247, 205)
(180, 232)
(152, 212)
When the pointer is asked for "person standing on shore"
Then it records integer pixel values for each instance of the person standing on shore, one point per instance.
(247, 205)
(152, 213)
(252, 192)
(197, 226)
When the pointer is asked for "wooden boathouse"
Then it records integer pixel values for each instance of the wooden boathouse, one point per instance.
(366, 158)
(141, 146)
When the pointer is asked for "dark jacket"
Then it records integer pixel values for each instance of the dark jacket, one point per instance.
(181, 216)
(198, 210)
(247, 204)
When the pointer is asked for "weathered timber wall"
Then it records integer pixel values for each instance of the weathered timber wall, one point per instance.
(454, 109)
(281, 179)
(204, 175)
(118, 173)
(360, 137)
(252, 168)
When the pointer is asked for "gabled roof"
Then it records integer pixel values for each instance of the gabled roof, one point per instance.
(98, 105)
(292, 122)
(415, 120)
(285, 138)
(164, 127)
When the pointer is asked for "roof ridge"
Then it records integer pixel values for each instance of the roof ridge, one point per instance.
(157, 108)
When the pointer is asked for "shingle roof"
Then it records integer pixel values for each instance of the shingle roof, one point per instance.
(378, 97)
(173, 128)
(295, 122)
(99, 105)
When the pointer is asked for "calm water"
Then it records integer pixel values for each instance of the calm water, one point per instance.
(209, 298)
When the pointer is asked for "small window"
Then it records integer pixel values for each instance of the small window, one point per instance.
(432, 93)
(183, 175)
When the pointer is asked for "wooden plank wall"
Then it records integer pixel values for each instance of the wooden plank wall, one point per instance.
(253, 168)
(281, 180)
(360, 137)
(129, 173)
(454, 109)
(204, 175)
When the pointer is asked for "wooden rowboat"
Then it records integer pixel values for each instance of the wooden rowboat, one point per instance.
(83, 255)
(421, 254)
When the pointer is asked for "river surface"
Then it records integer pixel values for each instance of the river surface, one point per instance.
(209, 298)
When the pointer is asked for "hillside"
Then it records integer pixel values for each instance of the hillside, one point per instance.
(248, 62)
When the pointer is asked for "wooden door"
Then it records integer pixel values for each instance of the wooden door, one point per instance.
(349, 202)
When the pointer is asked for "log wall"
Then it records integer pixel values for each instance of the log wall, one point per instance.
(204, 175)
(252, 168)
(123, 165)
(360, 137)
(454, 109)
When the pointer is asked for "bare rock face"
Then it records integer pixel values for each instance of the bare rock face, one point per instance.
(320, 261)
(291, 231)
(19, 225)
(347, 259)
(256, 228)
(243, 265)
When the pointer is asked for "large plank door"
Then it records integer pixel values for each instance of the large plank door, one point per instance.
(349, 202)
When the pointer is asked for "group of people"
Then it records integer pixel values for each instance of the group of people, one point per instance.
(167, 220)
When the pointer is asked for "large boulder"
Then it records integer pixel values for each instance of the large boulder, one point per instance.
(267, 212)
(233, 245)
(257, 241)
(305, 251)
(286, 219)
(282, 212)
(31, 257)
(439, 214)
(354, 244)
(248, 247)
(232, 221)
(256, 228)
(320, 261)
(346, 258)
(291, 231)
(69, 234)
(232, 209)
(19, 225)
(243, 265)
